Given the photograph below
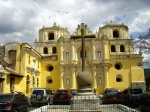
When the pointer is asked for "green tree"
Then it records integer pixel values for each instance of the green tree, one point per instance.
(147, 81)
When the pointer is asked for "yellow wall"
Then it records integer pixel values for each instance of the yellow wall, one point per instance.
(53, 74)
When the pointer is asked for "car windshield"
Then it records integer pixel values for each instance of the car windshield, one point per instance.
(146, 91)
(112, 92)
(49, 92)
(136, 91)
(74, 92)
(6, 97)
(38, 92)
(61, 92)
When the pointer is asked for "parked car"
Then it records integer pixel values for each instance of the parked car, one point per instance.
(41, 96)
(145, 102)
(62, 97)
(73, 92)
(146, 91)
(132, 94)
(14, 102)
(112, 95)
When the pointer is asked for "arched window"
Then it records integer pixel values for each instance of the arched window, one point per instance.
(99, 54)
(49, 68)
(54, 50)
(67, 81)
(67, 55)
(45, 50)
(122, 48)
(49, 80)
(113, 48)
(119, 78)
(115, 34)
(100, 81)
(81, 54)
(118, 66)
(51, 36)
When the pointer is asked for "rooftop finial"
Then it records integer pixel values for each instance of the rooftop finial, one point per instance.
(54, 23)
(111, 22)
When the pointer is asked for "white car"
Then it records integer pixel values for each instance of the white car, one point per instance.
(41, 96)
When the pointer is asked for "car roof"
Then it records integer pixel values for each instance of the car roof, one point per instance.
(41, 88)
(62, 90)
(112, 89)
(7, 94)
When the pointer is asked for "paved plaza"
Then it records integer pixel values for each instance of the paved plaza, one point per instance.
(103, 108)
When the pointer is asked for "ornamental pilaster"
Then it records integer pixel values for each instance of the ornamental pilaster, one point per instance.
(106, 76)
(94, 82)
(41, 49)
(72, 50)
(117, 48)
(93, 50)
(61, 51)
(105, 49)
(61, 78)
(126, 49)
(121, 33)
(73, 78)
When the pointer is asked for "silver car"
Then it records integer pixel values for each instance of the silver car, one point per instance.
(41, 96)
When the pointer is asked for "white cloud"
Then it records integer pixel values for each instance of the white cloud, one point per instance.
(18, 16)
(20, 20)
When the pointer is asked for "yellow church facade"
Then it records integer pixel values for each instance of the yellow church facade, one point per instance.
(109, 57)
(56, 59)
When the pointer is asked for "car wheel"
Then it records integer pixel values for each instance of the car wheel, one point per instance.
(51, 101)
(48, 102)
(141, 109)
(103, 102)
(39, 97)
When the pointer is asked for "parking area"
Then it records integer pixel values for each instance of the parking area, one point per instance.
(103, 108)
(132, 104)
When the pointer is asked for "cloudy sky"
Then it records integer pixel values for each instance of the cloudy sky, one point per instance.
(20, 20)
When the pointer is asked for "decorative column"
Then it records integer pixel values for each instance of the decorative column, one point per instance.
(41, 50)
(111, 33)
(117, 48)
(61, 78)
(106, 76)
(61, 51)
(73, 78)
(93, 49)
(72, 49)
(94, 77)
(126, 49)
(105, 49)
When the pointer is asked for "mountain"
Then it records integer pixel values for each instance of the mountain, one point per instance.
(147, 71)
